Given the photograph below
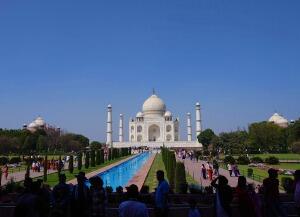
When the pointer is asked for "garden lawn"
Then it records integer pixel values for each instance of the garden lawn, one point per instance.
(158, 164)
(52, 179)
(279, 156)
(259, 174)
(151, 180)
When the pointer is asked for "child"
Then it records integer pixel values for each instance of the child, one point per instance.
(193, 212)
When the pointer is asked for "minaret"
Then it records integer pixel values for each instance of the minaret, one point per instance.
(189, 127)
(198, 119)
(109, 126)
(121, 128)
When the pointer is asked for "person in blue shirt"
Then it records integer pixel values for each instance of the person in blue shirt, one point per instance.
(161, 195)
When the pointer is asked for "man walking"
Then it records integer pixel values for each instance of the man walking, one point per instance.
(161, 195)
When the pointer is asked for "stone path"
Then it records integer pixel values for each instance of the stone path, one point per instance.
(20, 176)
(140, 177)
(194, 169)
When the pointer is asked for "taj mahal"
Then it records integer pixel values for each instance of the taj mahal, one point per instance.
(154, 127)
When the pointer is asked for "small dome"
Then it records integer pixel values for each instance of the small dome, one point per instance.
(197, 104)
(154, 105)
(278, 119)
(39, 121)
(139, 115)
(168, 114)
(32, 125)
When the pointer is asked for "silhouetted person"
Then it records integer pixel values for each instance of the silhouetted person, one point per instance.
(271, 195)
(246, 205)
(132, 207)
(223, 196)
(80, 197)
(194, 211)
(98, 197)
(61, 195)
(161, 195)
(297, 190)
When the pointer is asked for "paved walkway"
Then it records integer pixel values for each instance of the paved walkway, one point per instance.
(194, 169)
(140, 177)
(20, 176)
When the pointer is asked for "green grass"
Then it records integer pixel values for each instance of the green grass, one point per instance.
(158, 164)
(259, 172)
(52, 179)
(280, 156)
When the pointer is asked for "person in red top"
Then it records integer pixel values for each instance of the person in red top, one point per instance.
(246, 205)
(271, 195)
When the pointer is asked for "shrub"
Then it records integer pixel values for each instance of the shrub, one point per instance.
(272, 160)
(4, 160)
(98, 157)
(15, 160)
(79, 161)
(287, 184)
(102, 156)
(249, 172)
(71, 166)
(180, 178)
(87, 160)
(257, 160)
(243, 160)
(229, 160)
(93, 160)
(296, 147)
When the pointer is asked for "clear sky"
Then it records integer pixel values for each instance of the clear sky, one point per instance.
(66, 60)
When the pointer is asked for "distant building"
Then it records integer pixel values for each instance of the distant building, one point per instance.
(279, 120)
(38, 124)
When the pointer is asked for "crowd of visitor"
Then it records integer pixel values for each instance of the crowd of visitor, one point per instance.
(82, 200)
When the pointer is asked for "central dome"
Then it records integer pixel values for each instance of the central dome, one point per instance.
(154, 106)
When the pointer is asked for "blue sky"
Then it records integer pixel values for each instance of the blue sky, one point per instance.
(66, 60)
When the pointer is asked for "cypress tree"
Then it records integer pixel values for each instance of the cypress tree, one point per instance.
(79, 161)
(87, 160)
(59, 166)
(71, 165)
(180, 177)
(45, 167)
(98, 157)
(101, 156)
(93, 156)
(109, 154)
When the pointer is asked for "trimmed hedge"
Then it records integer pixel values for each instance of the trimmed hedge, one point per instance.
(170, 165)
(15, 160)
(243, 160)
(249, 172)
(71, 164)
(272, 160)
(93, 158)
(87, 160)
(4, 160)
(180, 178)
(79, 158)
(229, 160)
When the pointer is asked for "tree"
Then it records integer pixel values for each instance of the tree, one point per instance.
(87, 160)
(296, 147)
(29, 143)
(45, 167)
(293, 132)
(71, 165)
(180, 178)
(98, 157)
(205, 138)
(234, 142)
(79, 157)
(267, 137)
(42, 143)
(59, 166)
(95, 145)
(93, 160)
(101, 156)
